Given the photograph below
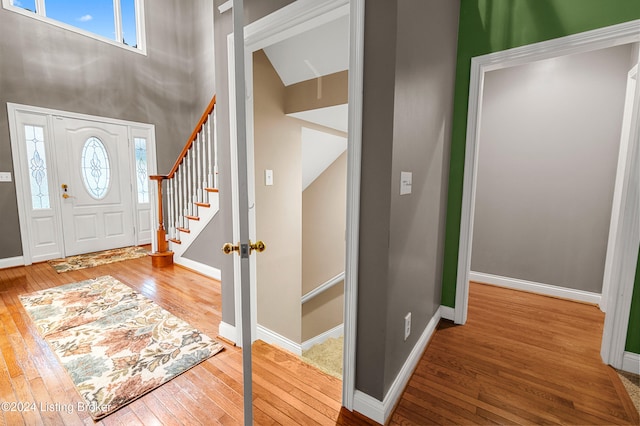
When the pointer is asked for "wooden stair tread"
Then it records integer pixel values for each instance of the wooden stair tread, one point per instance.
(193, 217)
(211, 189)
(206, 205)
(185, 230)
(173, 240)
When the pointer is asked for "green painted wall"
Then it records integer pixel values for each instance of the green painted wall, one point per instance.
(633, 333)
(493, 25)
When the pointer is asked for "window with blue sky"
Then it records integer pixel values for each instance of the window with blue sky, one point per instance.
(111, 19)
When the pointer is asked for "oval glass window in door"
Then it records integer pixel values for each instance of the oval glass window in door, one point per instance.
(95, 168)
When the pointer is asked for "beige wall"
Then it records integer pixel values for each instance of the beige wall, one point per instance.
(304, 232)
(328, 90)
(323, 247)
(278, 207)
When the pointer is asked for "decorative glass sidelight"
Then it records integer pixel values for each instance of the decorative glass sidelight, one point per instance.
(37, 163)
(141, 170)
(95, 168)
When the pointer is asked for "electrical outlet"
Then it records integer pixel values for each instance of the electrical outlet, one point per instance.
(407, 325)
(5, 176)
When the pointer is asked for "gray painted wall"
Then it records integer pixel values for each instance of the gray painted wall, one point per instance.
(408, 104)
(47, 66)
(549, 141)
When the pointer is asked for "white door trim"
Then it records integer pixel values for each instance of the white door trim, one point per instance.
(22, 186)
(296, 18)
(615, 35)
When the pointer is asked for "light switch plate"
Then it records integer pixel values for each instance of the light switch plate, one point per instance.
(5, 176)
(405, 183)
(268, 177)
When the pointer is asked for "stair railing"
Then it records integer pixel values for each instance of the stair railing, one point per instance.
(192, 178)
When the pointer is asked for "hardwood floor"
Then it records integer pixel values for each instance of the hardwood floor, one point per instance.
(286, 391)
(520, 359)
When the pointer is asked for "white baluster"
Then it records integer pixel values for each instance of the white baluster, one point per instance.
(185, 195)
(210, 170)
(180, 205)
(189, 198)
(199, 163)
(194, 179)
(170, 209)
(176, 202)
(203, 181)
(215, 152)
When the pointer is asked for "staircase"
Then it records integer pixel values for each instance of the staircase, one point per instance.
(191, 189)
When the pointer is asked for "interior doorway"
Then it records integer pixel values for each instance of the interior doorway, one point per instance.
(617, 312)
(82, 182)
(297, 18)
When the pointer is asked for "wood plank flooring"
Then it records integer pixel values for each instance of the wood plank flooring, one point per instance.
(286, 391)
(520, 359)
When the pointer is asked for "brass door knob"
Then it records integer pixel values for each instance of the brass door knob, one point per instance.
(258, 246)
(229, 248)
(65, 196)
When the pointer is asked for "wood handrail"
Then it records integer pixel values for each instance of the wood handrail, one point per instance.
(192, 138)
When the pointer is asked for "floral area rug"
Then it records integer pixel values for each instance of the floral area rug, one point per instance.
(115, 343)
(89, 260)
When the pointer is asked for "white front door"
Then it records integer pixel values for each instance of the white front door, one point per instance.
(95, 185)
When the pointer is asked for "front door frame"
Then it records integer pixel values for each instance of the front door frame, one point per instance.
(293, 19)
(617, 309)
(134, 129)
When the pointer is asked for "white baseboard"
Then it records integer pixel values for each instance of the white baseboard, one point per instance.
(533, 287)
(631, 362)
(10, 262)
(227, 331)
(380, 411)
(276, 339)
(335, 332)
(201, 268)
(447, 313)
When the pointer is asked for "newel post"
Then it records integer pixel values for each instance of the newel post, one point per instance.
(162, 257)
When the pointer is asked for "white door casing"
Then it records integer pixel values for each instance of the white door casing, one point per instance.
(93, 167)
(43, 235)
(617, 309)
(293, 19)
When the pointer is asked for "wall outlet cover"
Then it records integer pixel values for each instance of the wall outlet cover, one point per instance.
(405, 182)
(5, 176)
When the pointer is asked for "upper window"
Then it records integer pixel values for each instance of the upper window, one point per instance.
(115, 21)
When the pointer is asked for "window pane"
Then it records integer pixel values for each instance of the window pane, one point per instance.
(95, 169)
(37, 163)
(95, 16)
(141, 170)
(25, 4)
(129, 28)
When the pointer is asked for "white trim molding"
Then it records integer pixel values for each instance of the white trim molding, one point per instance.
(200, 268)
(323, 287)
(334, 333)
(227, 331)
(534, 287)
(10, 262)
(273, 338)
(631, 362)
(447, 313)
(380, 411)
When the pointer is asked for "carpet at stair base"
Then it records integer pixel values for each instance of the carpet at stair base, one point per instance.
(326, 356)
(115, 344)
(631, 383)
